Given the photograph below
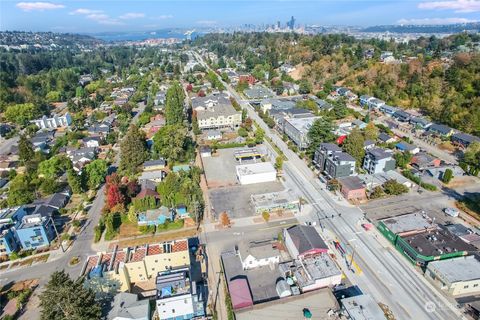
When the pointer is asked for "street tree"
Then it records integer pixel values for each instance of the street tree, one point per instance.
(75, 181)
(67, 299)
(96, 172)
(133, 150)
(170, 142)
(225, 219)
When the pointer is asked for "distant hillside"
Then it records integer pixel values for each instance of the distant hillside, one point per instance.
(447, 28)
(17, 38)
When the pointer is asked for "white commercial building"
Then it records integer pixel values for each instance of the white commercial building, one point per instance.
(54, 122)
(457, 276)
(256, 173)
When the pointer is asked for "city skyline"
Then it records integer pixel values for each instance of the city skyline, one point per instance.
(105, 16)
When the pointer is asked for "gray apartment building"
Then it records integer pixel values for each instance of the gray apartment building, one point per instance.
(378, 160)
(334, 163)
(297, 130)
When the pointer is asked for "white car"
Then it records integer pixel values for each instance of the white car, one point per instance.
(452, 212)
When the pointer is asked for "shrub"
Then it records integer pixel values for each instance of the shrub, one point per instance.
(266, 216)
(392, 187)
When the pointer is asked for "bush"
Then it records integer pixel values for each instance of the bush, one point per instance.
(447, 176)
(266, 216)
(146, 229)
(392, 187)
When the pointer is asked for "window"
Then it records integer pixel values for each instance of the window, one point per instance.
(475, 285)
(465, 287)
(173, 310)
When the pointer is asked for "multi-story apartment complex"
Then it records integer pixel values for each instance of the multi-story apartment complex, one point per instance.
(297, 130)
(330, 159)
(216, 112)
(378, 160)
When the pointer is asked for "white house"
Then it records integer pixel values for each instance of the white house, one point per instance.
(54, 122)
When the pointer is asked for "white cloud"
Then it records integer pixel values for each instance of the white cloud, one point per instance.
(83, 11)
(97, 15)
(207, 22)
(132, 15)
(433, 21)
(39, 6)
(459, 6)
(163, 17)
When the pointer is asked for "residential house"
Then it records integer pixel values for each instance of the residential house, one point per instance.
(155, 217)
(346, 93)
(456, 276)
(303, 241)
(205, 151)
(126, 306)
(54, 122)
(7, 165)
(154, 165)
(357, 123)
(402, 116)
(420, 123)
(211, 135)
(155, 176)
(277, 105)
(422, 161)
(287, 68)
(352, 188)
(368, 144)
(177, 296)
(216, 112)
(159, 100)
(258, 254)
(441, 130)
(4, 129)
(364, 100)
(181, 212)
(378, 160)
(35, 231)
(92, 142)
(290, 88)
(246, 77)
(8, 240)
(81, 157)
(258, 92)
(340, 164)
(463, 139)
(101, 129)
(388, 110)
(371, 181)
(375, 103)
(297, 130)
(322, 104)
(385, 138)
(404, 146)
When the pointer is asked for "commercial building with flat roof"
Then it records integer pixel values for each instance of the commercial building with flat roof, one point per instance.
(256, 173)
(284, 201)
(362, 307)
(457, 276)
(297, 130)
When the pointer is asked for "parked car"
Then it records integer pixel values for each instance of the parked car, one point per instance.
(452, 212)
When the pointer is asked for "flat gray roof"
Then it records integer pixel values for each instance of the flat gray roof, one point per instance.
(362, 307)
(408, 222)
(457, 269)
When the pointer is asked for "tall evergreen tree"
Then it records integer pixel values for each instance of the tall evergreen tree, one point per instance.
(66, 299)
(133, 150)
(25, 149)
(174, 111)
(321, 131)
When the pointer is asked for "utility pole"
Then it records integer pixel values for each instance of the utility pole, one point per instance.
(56, 232)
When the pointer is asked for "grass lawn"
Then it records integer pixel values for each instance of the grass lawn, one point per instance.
(470, 206)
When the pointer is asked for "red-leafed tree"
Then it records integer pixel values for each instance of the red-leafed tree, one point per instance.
(114, 196)
(189, 87)
(201, 93)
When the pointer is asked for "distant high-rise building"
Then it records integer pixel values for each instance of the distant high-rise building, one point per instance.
(291, 23)
(278, 24)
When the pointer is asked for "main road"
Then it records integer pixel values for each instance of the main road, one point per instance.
(387, 275)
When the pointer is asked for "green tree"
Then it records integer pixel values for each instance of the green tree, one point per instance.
(321, 131)
(66, 299)
(447, 176)
(52, 167)
(392, 187)
(22, 113)
(353, 145)
(75, 181)
(25, 150)
(170, 142)
(20, 191)
(402, 159)
(279, 163)
(96, 172)
(471, 159)
(174, 104)
(371, 131)
(49, 186)
(133, 150)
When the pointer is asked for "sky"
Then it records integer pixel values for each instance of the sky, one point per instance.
(94, 16)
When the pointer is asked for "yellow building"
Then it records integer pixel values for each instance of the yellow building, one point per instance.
(116, 271)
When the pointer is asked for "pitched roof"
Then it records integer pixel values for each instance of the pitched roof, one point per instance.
(306, 238)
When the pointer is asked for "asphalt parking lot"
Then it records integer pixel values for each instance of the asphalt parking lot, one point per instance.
(235, 200)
